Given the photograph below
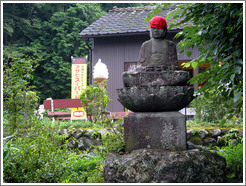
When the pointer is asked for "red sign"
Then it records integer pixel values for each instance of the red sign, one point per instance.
(78, 113)
(79, 60)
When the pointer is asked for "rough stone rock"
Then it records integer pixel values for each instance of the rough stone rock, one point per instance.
(189, 134)
(72, 144)
(88, 133)
(78, 133)
(103, 132)
(158, 166)
(234, 131)
(162, 78)
(210, 141)
(66, 133)
(155, 130)
(234, 142)
(216, 133)
(191, 146)
(224, 131)
(220, 141)
(85, 143)
(155, 98)
(203, 133)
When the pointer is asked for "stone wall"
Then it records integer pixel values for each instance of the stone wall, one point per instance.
(214, 137)
(84, 138)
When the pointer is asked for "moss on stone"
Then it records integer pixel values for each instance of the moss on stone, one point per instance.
(196, 140)
(130, 141)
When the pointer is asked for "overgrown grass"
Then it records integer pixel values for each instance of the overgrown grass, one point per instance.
(234, 162)
(36, 154)
(228, 124)
(77, 124)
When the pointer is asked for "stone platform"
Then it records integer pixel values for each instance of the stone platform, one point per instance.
(159, 166)
(155, 130)
(161, 78)
(155, 98)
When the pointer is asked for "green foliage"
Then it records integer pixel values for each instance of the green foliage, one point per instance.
(218, 31)
(217, 28)
(207, 109)
(59, 41)
(196, 131)
(76, 124)
(49, 31)
(228, 124)
(20, 101)
(37, 156)
(113, 143)
(95, 101)
(234, 162)
(231, 135)
(22, 21)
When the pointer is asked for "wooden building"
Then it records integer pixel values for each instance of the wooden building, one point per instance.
(116, 40)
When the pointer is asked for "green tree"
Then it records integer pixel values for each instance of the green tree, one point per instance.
(217, 31)
(19, 99)
(59, 41)
(48, 31)
(22, 21)
(95, 101)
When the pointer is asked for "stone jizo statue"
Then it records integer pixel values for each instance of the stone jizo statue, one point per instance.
(158, 51)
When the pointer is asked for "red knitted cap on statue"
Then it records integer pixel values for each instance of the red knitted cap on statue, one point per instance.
(158, 22)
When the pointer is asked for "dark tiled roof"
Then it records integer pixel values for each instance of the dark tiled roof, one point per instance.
(124, 21)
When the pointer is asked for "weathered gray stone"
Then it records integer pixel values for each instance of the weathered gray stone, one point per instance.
(220, 141)
(234, 142)
(78, 133)
(155, 98)
(66, 133)
(233, 131)
(224, 131)
(103, 132)
(85, 143)
(158, 166)
(72, 144)
(203, 133)
(161, 78)
(216, 133)
(189, 134)
(88, 133)
(155, 130)
(191, 146)
(210, 141)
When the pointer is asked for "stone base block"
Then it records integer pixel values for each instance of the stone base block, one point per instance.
(155, 130)
(158, 166)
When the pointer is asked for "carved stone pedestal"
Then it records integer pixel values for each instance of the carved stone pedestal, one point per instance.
(155, 130)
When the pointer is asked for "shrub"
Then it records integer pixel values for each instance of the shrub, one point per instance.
(19, 100)
(95, 101)
(234, 161)
(232, 134)
(211, 109)
(37, 156)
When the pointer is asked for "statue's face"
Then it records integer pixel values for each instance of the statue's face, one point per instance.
(157, 33)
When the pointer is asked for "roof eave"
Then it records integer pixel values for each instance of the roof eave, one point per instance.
(123, 34)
